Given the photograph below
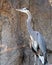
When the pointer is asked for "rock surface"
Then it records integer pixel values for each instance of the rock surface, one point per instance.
(13, 30)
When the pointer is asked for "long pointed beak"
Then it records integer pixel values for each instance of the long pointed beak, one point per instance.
(18, 10)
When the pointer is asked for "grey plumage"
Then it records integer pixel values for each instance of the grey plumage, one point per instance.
(36, 38)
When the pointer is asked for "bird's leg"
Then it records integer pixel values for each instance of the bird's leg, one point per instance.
(35, 60)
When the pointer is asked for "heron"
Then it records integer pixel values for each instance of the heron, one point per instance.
(38, 44)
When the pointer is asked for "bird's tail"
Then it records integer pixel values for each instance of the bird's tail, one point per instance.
(49, 50)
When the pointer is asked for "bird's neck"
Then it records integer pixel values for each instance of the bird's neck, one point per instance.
(29, 27)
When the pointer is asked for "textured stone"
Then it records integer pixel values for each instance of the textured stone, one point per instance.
(13, 30)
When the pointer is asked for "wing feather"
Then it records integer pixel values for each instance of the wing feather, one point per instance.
(41, 43)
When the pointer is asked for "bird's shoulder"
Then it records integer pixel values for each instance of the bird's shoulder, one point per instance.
(37, 32)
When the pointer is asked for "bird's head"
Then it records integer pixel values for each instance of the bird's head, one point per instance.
(24, 10)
